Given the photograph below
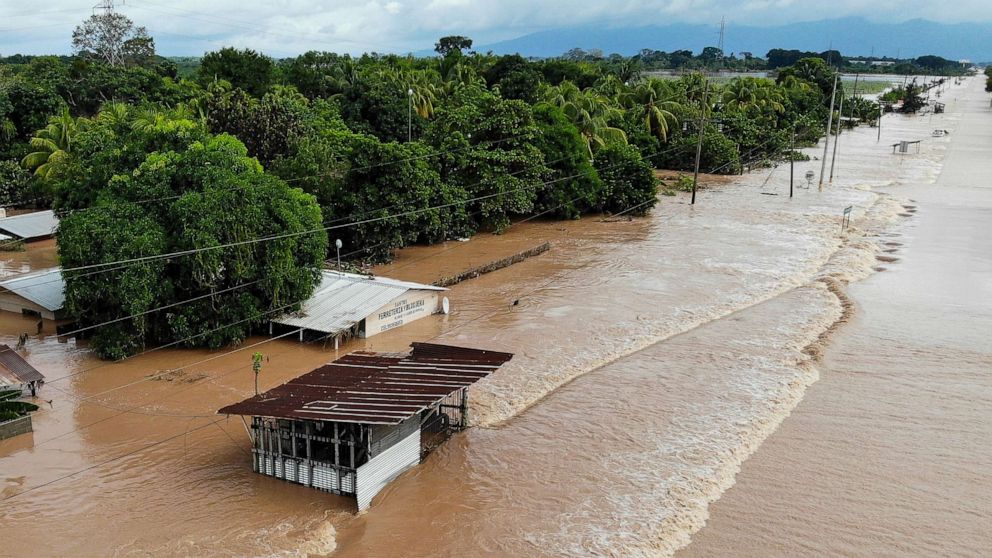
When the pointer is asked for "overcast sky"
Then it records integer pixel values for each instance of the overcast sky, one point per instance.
(287, 27)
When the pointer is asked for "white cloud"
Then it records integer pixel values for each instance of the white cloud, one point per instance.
(290, 26)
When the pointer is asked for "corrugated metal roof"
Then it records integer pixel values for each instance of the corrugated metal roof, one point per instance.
(39, 224)
(343, 299)
(45, 288)
(374, 388)
(15, 364)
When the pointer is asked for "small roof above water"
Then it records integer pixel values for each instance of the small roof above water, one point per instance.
(375, 388)
(344, 299)
(13, 366)
(45, 288)
(30, 226)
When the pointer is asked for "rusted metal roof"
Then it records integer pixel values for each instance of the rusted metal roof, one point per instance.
(374, 388)
(13, 364)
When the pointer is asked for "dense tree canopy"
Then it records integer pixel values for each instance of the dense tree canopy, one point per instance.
(244, 69)
(184, 189)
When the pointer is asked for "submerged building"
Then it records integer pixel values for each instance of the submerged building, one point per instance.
(352, 305)
(353, 425)
(29, 227)
(40, 293)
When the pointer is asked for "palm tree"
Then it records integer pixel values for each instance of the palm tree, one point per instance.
(425, 93)
(744, 93)
(653, 100)
(589, 111)
(53, 144)
(795, 83)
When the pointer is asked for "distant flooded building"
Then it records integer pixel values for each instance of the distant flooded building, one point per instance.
(29, 227)
(352, 305)
(352, 426)
(40, 293)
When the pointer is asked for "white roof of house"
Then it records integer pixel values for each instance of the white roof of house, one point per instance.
(30, 225)
(45, 288)
(344, 299)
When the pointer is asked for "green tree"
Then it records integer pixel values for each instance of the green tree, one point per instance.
(112, 38)
(211, 195)
(244, 69)
(574, 183)
(14, 183)
(653, 103)
(815, 71)
(452, 43)
(589, 111)
(52, 145)
(266, 126)
(629, 184)
(487, 146)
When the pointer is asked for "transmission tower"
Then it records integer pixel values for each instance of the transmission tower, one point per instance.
(723, 27)
(106, 6)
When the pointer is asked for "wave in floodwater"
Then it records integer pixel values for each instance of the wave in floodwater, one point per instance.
(672, 357)
(662, 351)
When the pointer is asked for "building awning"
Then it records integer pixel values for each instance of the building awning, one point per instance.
(46, 288)
(344, 299)
(30, 226)
(375, 388)
(12, 365)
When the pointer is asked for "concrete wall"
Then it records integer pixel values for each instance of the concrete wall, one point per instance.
(403, 309)
(15, 427)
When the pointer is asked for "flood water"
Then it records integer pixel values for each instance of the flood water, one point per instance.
(653, 356)
(889, 453)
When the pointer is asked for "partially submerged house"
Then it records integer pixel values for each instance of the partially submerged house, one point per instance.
(353, 425)
(29, 227)
(40, 293)
(17, 373)
(17, 379)
(352, 305)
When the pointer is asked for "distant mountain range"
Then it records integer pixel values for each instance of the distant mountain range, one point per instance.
(851, 36)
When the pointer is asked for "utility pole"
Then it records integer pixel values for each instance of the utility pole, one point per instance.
(409, 117)
(879, 120)
(840, 128)
(830, 124)
(792, 160)
(723, 25)
(699, 142)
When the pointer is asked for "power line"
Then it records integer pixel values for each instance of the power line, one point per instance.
(550, 281)
(179, 253)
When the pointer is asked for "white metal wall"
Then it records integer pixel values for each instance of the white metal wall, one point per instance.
(383, 468)
(297, 470)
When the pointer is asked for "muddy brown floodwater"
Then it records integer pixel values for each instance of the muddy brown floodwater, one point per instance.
(653, 356)
(889, 453)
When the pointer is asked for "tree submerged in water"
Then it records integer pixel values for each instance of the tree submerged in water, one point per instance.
(912, 99)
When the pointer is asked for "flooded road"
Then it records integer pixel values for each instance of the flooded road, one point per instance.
(889, 453)
(705, 318)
